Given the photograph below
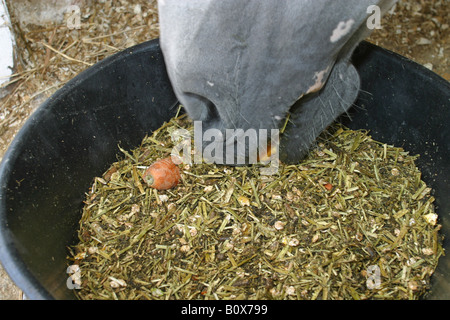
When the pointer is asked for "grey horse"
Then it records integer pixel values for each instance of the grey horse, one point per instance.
(266, 64)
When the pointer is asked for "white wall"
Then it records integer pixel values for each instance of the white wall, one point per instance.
(6, 46)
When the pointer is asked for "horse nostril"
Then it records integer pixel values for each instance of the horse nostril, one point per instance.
(211, 110)
(199, 107)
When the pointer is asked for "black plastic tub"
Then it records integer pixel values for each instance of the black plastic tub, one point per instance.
(74, 135)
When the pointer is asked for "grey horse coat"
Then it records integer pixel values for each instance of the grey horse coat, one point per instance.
(248, 63)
